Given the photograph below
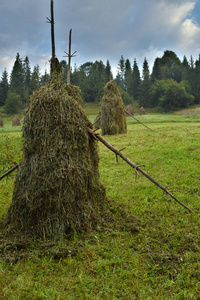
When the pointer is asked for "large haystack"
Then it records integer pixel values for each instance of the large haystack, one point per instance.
(113, 117)
(57, 189)
(16, 121)
(1, 122)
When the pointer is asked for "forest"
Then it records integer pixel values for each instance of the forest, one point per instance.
(171, 85)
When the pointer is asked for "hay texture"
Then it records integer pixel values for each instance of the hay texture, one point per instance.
(142, 111)
(1, 122)
(113, 117)
(57, 189)
(16, 121)
(130, 110)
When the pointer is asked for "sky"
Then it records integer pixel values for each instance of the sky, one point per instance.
(101, 30)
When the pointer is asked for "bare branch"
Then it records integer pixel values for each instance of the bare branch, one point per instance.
(11, 170)
(137, 168)
(137, 120)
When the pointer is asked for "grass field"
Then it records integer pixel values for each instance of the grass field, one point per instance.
(151, 252)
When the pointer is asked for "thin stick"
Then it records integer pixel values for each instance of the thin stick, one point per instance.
(137, 120)
(11, 170)
(69, 55)
(137, 168)
(96, 120)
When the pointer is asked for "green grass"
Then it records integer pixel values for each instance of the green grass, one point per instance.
(156, 257)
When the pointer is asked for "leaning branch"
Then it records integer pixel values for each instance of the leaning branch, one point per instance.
(137, 120)
(137, 168)
(11, 170)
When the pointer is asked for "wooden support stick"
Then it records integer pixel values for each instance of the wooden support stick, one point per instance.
(11, 170)
(137, 168)
(137, 120)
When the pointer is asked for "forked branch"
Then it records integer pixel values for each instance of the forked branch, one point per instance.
(133, 165)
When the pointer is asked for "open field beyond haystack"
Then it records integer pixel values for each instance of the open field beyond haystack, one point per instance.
(155, 254)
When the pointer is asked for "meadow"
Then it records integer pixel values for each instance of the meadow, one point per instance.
(150, 250)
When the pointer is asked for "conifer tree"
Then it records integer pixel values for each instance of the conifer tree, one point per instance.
(156, 71)
(35, 79)
(4, 87)
(108, 72)
(128, 77)
(17, 78)
(121, 71)
(136, 80)
(27, 77)
(145, 86)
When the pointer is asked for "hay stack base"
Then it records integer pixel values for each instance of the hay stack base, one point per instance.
(57, 189)
(113, 117)
(16, 121)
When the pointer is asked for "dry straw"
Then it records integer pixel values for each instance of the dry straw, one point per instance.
(130, 110)
(16, 121)
(142, 111)
(57, 189)
(113, 117)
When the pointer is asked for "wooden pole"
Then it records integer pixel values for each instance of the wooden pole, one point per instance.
(51, 21)
(52, 31)
(11, 170)
(137, 119)
(137, 168)
(69, 57)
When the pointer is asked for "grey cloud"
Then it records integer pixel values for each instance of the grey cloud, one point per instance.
(102, 29)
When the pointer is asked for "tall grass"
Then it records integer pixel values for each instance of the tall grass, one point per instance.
(154, 255)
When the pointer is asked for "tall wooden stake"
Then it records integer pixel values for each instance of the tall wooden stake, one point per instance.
(51, 21)
(137, 168)
(69, 55)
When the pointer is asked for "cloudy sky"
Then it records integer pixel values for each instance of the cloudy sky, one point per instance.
(101, 30)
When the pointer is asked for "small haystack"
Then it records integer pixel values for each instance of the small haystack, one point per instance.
(1, 122)
(16, 121)
(142, 111)
(130, 110)
(57, 189)
(113, 117)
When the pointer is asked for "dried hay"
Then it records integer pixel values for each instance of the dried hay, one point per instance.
(113, 117)
(16, 121)
(142, 111)
(1, 122)
(57, 189)
(129, 109)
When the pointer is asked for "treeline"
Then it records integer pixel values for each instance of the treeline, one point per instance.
(171, 85)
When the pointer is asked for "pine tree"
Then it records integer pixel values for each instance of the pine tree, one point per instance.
(35, 79)
(45, 78)
(145, 97)
(108, 72)
(4, 87)
(121, 71)
(128, 77)
(136, 80)
(17, 78)
(27, 77)
(185, 69)
(156, 71)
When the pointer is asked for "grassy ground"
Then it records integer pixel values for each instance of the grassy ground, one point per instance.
(153, 255)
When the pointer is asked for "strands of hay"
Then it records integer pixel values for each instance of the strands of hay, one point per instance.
(1, 122)
(129, 109)
(113, 117)
(16, 121)
(74, 92)
(57, 189)
(142, 111)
